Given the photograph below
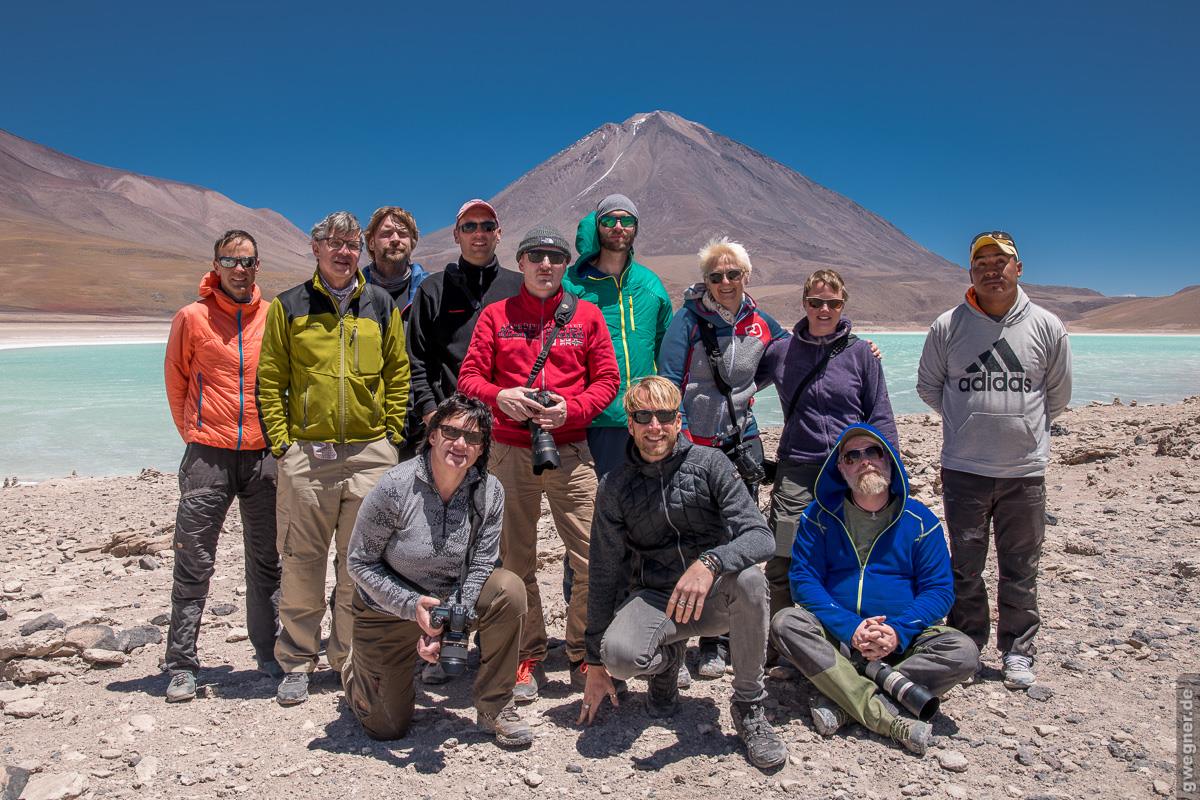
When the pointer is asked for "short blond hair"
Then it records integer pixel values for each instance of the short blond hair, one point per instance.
(654, 393)
(723, 247)
(830, 278)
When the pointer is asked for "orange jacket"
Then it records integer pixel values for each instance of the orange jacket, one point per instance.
(211, 363)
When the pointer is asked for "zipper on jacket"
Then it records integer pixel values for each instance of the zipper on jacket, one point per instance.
(354, 344)
(199, 400)
(241, 382)
(341, 377)
(632, 318)
(662, 490)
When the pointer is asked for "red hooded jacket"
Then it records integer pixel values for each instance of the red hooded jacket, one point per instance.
(582, 366)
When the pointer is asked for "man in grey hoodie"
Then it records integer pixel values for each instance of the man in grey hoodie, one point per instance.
(998, 370)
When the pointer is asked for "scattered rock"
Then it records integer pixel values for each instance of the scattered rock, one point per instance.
(136, 543)
(142, 723)
(104, 658)
(13, 695)
(131, 639)
(161, 620)
(39, 644)
(952, 761)
(43, 622)
(237, 635)
(32, 670)
(1045, 730)
(957, 791)
(575, 769)
(1186, 568)
(89, 636)
(533, 778)
(1026, 756)
(149, 563)
(13, 587)
(145, 771)
(1081, 546)
(1161, 787)
(3, 613)
(223, 609)
(24, 709)
(1039, 692)
(12, 782)
(1086, 455)
(62, 786)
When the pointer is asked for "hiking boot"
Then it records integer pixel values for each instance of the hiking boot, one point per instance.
(270, 667)
(713, 657)
(579, 671)
(764, 748)
(507, 726)
(530, 675)
(1018, 671)
(662, 695)
(181, 688)
(293, 689)
(915, 736)
(684, 679)
(434, 675)
(827, 715)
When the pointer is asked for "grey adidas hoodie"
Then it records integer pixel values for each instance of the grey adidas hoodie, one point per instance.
(997, 385)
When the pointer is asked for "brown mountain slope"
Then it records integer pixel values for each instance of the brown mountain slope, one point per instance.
(1177, 312)
(690, 184)
(84, 238)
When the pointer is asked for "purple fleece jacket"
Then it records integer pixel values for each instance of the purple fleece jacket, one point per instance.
(850, 389)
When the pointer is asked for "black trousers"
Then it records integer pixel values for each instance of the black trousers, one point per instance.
(209, 479)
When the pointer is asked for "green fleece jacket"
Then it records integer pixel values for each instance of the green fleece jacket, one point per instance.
(636, 308)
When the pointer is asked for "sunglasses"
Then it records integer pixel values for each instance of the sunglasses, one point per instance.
(487, 226)
(664, 416)
(733, 275)
(1000, 236)
(609, 221)
(820, 302)
(873, 452)
(451, 433)
(248, 263)
(337, 244)
(556, 257)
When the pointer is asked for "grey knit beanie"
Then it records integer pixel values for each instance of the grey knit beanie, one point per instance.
(543, 236)
(616, 202)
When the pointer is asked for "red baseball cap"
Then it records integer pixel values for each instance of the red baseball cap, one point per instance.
(476, 203)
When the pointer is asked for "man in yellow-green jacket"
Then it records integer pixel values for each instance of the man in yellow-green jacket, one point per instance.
(332, 394)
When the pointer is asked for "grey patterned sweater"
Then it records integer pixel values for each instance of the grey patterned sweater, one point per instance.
(407, 542)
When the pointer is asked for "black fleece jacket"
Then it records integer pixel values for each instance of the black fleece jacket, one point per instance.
(444, 312)
(653, 520)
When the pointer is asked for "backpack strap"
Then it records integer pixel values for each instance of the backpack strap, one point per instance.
(830, 352)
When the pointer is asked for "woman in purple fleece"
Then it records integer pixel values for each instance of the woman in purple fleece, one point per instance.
(827, 378)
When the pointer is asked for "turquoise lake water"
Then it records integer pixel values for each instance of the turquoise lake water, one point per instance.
(102, 410)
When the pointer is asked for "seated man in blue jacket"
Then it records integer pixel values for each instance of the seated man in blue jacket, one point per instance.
(871, 574)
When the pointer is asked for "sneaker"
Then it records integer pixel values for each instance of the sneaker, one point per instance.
(684, 679)
(507, 726)
(662, 696)
(827, 715)
(530, 675)
(713, 657)
(434, 675)
(270, 667)
(181, 688)
(913, 735)
(293, 689)
(1018, 671)
(579, 679)
(764, 747)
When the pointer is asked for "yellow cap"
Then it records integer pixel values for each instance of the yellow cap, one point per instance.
(999, 238)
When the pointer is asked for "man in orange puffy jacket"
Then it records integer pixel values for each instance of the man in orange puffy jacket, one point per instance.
(211, 363)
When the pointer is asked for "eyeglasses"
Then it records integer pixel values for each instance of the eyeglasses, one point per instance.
(337, 244)
(820, 302)
(488, 226)
(451, 433)
(1000, 236)
(873, 452)
(609, 221)
(734, 275)
(556, 257)
(248, 263)
(665, 416)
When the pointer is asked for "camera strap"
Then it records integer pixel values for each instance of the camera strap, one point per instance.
(833, 350)
(475, 515)
(708, 335)
(562, 315)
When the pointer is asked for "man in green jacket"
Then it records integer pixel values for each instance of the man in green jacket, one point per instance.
(332, 394)
(635, 305)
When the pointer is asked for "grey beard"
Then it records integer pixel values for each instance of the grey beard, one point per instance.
(871, 483)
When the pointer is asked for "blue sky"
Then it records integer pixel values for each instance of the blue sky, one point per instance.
(1072, 125)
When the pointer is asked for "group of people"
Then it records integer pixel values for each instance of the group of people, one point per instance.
(415, 421)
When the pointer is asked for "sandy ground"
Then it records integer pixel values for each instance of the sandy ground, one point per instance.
(1118, 594)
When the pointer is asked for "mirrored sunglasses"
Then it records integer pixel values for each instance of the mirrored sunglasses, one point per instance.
(873, 452)
(248, 263)
(610, 221)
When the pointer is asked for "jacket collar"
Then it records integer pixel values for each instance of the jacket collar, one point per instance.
(210, 286)
(656, 468)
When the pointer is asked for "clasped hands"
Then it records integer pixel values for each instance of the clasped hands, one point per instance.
(874, 639)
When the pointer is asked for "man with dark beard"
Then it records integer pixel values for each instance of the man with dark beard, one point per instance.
(871, 574)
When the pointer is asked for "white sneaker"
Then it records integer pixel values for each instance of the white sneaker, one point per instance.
(1018, 671)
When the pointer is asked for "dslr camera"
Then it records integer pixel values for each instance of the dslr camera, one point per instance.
(748, 467)
(453, 620)
(545, 451)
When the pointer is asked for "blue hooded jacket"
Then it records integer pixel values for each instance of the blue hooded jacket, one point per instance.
(906, 576)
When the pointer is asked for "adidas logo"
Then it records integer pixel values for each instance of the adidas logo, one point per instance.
(995, 371)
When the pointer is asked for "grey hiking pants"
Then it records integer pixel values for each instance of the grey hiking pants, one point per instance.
(1015, 508)
(938, 658)
(209, 479)
(736, 604)
(791, 494)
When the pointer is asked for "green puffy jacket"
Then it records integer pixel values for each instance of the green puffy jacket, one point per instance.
(325, 376)
(636, 307)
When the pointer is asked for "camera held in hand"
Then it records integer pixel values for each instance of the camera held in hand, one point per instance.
(453, 620)
(545, 451)
(749, 468)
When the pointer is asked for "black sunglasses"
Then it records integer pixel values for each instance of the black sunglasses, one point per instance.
(610, 221)
(488, 225)
(733, 275)
(873, 452)
(1000, 236)
(663, 415)
(450, 433)
(248, 263)
(556, 257)
(820, 302)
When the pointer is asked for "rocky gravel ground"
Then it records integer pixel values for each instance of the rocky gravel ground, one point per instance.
(86, 585)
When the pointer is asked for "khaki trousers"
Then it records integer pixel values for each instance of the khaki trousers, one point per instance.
(317, 502)
(378, 676)
(571, 492)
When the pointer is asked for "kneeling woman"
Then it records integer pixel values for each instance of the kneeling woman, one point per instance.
(424, 521)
